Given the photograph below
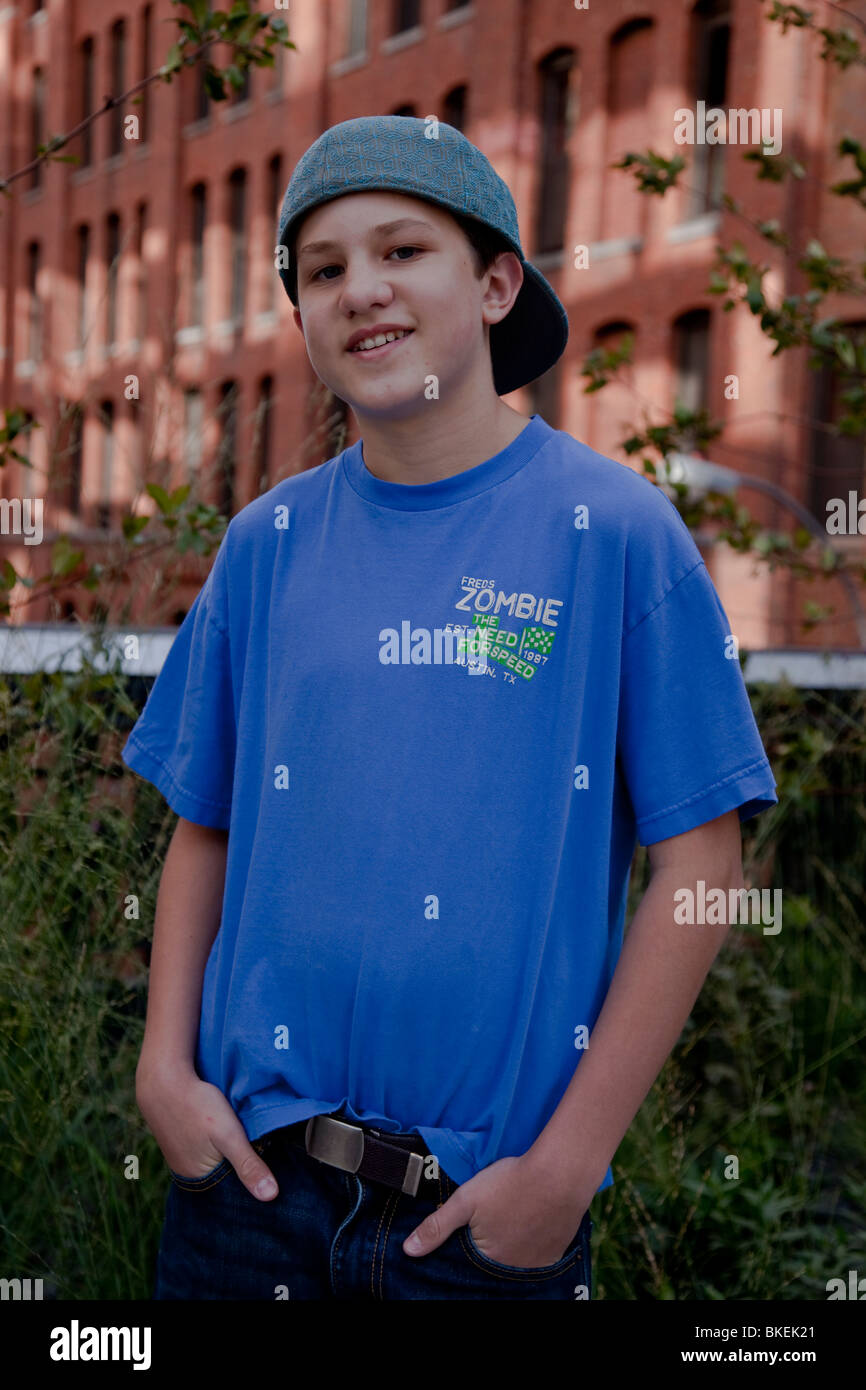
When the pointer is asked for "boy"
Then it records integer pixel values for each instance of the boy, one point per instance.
(428, 698)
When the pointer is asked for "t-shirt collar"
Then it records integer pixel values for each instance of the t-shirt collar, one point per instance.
(446, 491)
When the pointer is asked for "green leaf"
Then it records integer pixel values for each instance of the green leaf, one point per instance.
(159, 495)
(755, 295)
(174, 59)
(214, 85)
(132, 525)
(64, 559)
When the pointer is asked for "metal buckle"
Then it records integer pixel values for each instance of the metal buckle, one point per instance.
(334, 1142)
(413, 1173)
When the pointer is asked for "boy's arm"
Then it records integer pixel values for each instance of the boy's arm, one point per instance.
(659, 975)
(524, 1210)
(188, 910)
(191, 1120)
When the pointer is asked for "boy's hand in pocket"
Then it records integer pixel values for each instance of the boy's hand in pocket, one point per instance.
(196, 1127)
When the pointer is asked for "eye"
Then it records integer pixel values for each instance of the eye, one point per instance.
(317, 273)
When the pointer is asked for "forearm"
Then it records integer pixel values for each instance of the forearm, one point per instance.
(658, 977)
(188, 911)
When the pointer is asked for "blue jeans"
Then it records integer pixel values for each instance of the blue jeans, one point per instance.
(331, 1234)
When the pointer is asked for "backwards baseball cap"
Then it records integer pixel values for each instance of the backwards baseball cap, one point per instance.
(433, 161)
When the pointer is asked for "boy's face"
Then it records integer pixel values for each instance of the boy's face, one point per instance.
(418, 276)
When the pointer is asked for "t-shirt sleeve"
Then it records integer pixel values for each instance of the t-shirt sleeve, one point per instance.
(688, 743)
(184, 740)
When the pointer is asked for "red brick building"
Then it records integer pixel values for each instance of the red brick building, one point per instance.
(145, 328)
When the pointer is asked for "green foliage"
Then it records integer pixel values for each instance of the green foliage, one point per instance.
(767, 1068)
(653, 173)
(16, 421)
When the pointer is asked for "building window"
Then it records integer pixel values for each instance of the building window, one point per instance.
(24, 445)
(86, 68)
(145, 68)
(83, 238)
(244, 91)
(553, 96)
(74, 424)
(34, 317)
(611, 335)
(37, 123)
(237, 222)
(103, 506)
(356, 27)
(611, 409)
(112, 258)
(118, 70)
(405, 14)
(691, 353)
(454, 108)
(837, 461)
(193, 432)
(263, 433)
(275, 197)
(629, 85)
(199, 212)
(710, 42)
(201, 96)
(141, 289)
(227, 450)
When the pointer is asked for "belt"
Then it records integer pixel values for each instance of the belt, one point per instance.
(397, 1160)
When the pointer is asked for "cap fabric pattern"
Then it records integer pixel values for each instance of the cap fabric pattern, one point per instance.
(396, 154)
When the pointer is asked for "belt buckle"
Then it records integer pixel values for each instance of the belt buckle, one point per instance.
(334, 1142)
(414, 1169)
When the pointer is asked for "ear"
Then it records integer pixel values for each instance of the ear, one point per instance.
(296, 315)
(506, 279)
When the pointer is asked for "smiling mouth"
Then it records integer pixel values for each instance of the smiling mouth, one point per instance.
(382, 347)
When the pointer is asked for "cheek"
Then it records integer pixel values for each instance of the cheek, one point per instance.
(461, 327)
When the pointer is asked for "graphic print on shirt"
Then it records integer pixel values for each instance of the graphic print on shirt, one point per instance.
(486, 645)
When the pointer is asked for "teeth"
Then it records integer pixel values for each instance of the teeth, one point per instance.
(379, 340)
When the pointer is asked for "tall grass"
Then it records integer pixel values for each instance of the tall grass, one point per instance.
(768, 1068)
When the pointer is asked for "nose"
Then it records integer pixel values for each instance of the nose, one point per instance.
(363, 286)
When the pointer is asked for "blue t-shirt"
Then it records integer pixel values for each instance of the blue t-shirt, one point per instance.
(435, 720)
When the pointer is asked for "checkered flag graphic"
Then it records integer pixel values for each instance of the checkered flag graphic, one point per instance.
(538, 639)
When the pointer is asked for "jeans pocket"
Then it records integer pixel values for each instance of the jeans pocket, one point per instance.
(573, 1256)
(217, 1173)
(209, 1179)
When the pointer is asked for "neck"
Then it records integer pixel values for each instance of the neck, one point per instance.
(431, 444)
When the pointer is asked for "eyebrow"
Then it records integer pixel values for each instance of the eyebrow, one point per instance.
(315, 248)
